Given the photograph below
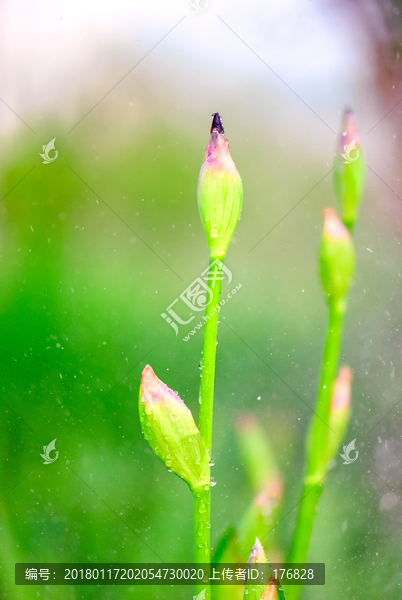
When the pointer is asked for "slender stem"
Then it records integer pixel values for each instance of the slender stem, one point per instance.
(317, 445)
(318, 441)
(202, 547)
(209, 357)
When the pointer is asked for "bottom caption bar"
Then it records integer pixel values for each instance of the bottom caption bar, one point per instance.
(167, 573)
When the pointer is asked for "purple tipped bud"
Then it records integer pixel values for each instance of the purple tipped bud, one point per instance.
(219, 192)
(257, 554)
(349, 170)
(169, 427)
(349, 132)
(255, 591)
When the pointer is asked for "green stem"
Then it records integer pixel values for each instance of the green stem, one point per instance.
(208, 358)
(317, 444)
(202, 547)
(320, 428)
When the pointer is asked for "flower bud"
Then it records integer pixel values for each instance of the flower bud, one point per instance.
(349, 170)
(340, 411)
(220, 192)
(254, 591)
(257, 554)
(169, 427)
(337, 257)
(270, 592)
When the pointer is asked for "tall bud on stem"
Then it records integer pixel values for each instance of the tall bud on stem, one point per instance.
(337, 261)
(257, 556)
(349, 170)
(220, 192)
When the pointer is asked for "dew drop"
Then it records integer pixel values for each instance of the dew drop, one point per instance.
(213, 482)
(211, 463)
(174, 417)
(214, 232)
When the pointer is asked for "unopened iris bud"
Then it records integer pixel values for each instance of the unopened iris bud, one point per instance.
(340, 411)
(270, 592)
(170, 429)
(349, 170)
(257, 554)
(254, 591)
(220, 192)
(337, 258)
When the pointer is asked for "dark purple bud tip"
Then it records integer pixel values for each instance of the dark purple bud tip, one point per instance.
(217, 123)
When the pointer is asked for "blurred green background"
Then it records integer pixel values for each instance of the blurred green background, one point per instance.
(96, 245)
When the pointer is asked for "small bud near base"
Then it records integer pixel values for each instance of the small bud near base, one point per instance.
(170, 429)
